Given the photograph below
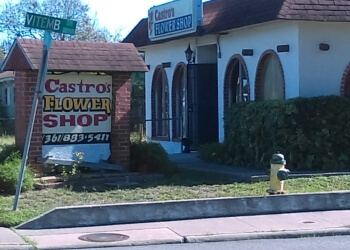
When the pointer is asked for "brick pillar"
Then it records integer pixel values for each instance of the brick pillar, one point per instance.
(120, 134)
(25, 82)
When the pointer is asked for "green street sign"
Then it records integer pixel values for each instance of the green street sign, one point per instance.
(49, 23)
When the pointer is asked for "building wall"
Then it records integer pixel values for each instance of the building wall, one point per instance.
(173, 52)
(120, 133)
(25, 82)
(321, 71)
(7, 94)
(307, 70)
(7, 99)
(260, 38)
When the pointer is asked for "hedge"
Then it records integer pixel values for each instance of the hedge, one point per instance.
(149, 157)
(312, 133)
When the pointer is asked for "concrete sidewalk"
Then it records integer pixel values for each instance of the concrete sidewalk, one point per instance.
(289, 225)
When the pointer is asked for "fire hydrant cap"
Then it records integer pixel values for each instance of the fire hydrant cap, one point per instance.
(278, 159)
(282, 174)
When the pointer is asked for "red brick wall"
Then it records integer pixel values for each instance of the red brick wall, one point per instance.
(120, 134)
(25, 82)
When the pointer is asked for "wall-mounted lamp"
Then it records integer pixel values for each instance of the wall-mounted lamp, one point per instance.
(189, 55)
(247, 52)
(283, 48)
(323, 46)
(166, 64)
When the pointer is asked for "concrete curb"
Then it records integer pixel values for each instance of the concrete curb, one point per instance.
(117, 244)
(10, 239)
(16, 247)
(267, 235)
(63, 217)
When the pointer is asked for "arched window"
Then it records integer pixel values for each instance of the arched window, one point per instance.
(345, 83)
(269, 84)
(160, 104)
(179, 102)
(236, 86)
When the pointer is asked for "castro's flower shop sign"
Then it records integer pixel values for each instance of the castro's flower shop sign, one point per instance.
(77, 116)
(174, 19)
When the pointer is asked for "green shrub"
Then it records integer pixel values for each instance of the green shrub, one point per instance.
(150, 157)
(7, 150)
(7, 126)
(9, 170)
(215, 152)
(312, 133)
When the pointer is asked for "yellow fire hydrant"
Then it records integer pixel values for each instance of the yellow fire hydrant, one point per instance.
(278, 173)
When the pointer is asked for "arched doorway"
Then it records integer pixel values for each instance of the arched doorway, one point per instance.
(345, 83)
(160, 105)
(236, 86)
(179, 116)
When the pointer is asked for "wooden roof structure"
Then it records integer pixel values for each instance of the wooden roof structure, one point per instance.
(81, 56)
(223, 15)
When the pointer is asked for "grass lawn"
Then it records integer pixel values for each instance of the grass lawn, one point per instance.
(183, 185)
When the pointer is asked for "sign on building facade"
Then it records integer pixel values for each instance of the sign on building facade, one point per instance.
(174, 19)
(76, 116)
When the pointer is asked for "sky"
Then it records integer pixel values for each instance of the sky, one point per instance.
(117, 15)
(121, 14)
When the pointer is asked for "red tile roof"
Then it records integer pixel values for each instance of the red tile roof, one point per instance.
(223, 15)
(75, 56)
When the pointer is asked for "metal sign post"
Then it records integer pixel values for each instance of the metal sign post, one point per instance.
(39, 83)
(48, 24)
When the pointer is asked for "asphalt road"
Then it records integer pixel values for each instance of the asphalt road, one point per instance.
(311, 243)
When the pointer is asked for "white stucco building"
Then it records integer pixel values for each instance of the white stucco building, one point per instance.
(243, 50)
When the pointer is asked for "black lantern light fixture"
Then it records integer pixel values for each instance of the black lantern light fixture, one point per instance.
(189, 54)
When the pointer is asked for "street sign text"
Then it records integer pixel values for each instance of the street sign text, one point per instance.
(52, 24)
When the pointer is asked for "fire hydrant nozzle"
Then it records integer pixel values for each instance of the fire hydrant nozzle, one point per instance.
(278, 174)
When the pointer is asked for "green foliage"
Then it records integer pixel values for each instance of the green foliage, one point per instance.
(137, 102)
(312, 133)
(9, 170)
(150, 157)
(13, 14)
(7, 126)
(73, 170)
(7, 150)
(214, 152)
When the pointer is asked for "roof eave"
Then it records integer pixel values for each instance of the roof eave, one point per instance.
(16, 43)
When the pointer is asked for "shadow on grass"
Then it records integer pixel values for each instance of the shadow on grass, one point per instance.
(180, 177)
